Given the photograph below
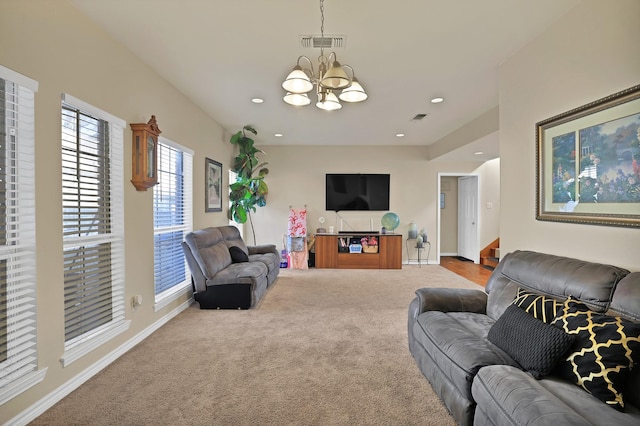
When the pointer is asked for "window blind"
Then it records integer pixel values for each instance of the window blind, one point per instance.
(172, 200)
(92, 222)
(18, 345)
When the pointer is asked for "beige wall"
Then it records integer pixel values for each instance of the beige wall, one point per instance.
(297, 178)
(52, 43)
(488, 175)
(591, 53)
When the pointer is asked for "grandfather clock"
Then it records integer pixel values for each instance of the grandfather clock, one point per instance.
(145, 154)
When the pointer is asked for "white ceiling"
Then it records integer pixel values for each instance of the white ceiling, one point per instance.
(220, 54)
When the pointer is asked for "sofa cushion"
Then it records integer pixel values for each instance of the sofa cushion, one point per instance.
(232, 237)
(457, 343)
(541, 307)
(246, 272)
(508, 396)
(209, 250)
(550, 275)
(238, 255)
(536, 346)
(272, 260)
(605, 351)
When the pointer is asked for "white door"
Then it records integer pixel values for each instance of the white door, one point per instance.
(468, 218)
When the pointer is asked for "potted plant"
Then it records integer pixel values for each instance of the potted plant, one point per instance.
(249, 190)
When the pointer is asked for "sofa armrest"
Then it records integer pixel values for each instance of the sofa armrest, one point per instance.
(448, 300)
(262, 249)
(199, 280)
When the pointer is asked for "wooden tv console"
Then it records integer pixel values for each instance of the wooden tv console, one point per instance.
(389, 255)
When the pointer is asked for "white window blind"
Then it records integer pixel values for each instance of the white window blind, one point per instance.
(18, 345)
(93, 226)
(172, 207)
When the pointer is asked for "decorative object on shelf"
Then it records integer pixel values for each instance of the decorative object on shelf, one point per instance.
(369, 244)
(588, 163)
(144, 151)
(355, 248)
(331, 76)
(212, 186)
(390, 221)
(249, 190)
(423, 232)
(419, 241)
(413, 230)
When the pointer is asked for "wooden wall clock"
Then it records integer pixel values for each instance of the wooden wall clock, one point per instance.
(145, 154)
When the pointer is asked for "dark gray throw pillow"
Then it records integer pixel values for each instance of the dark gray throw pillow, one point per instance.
(536, 346)
(238, 255)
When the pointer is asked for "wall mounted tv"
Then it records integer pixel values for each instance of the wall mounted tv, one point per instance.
(357, 191)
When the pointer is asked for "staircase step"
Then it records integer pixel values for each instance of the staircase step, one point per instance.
(489, 261)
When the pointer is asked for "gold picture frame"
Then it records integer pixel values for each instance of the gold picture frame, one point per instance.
(588, 163)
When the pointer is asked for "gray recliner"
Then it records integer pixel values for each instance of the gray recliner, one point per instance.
(218, 281)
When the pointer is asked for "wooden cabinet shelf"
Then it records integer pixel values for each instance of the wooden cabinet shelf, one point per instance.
(389, 255)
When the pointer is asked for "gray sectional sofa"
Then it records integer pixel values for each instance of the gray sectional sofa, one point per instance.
(473, 369)
(226, 273)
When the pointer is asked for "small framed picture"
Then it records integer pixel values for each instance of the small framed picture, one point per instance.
(212, 186)
(442, 200)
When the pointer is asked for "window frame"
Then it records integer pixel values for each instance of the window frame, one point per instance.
(77, 347)
(165, 297)
(20, 367)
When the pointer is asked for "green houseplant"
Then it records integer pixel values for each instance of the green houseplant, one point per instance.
(249, 190)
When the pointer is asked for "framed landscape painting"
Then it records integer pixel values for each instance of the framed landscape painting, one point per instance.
(212, 186)
(588, 163)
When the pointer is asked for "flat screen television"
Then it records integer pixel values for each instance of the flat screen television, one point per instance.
(357, 191)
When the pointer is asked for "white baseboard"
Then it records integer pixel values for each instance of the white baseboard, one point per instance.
(448, 254)
(52, 398)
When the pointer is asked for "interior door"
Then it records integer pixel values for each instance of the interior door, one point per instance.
(468, 218)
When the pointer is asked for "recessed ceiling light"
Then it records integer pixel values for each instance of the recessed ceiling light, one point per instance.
(278, 135)
(478, 153)
(257, 100)
(400, 135)
(437, 100)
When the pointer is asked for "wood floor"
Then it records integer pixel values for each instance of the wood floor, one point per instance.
(476, 273)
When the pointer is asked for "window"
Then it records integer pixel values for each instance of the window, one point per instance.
(232, 178)
(18, 345)
(93, 227)
(172, 218)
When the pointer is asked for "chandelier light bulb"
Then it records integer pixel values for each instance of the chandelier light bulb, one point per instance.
(297, 99)
(329, 103)
(297, 81)
(353, 93)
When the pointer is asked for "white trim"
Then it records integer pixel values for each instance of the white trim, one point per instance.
(438, 220)
(92, 110)
(20, 385)
(174, 145)
(168, 296)
(19, 79)
(35, 410)
(77, 351)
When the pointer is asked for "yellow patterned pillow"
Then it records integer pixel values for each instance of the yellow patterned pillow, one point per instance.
(605, 350)
(544, 308)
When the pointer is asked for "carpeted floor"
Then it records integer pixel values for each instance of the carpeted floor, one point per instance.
(323, 347)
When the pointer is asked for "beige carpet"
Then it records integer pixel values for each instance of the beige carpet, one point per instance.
(323, 347)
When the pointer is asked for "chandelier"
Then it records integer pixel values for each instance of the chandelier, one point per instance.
(331, 77)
